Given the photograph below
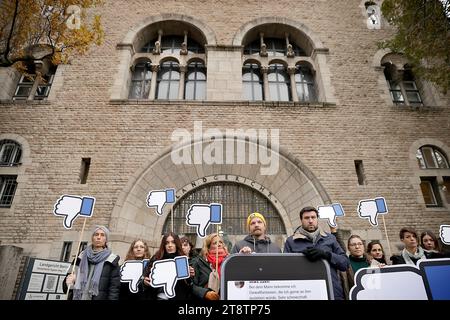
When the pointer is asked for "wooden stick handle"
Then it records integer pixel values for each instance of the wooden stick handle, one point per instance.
(387, 237)
(76, 254)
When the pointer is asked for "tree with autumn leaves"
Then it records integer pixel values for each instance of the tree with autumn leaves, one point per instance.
(423, 35)
(34, 30)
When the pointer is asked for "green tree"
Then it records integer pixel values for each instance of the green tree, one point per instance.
(423, 35)
(33, 30)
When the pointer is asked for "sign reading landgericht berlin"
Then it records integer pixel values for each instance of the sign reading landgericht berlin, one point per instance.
(43, 280)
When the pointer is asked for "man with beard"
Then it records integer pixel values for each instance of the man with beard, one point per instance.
(257, 241)
(316, 244)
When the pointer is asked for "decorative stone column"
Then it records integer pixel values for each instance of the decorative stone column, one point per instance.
(155, 69)
(291, 72)
(183, 69)
(264, 71)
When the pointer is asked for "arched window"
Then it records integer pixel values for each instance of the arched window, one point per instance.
(168, 80)
(430, 157)
(10, 153)
(238, 202)
(177, 69)
(279, 83)
(252, 82)
(140, 81)
(304, 83)
(273, 66)
(195, 88)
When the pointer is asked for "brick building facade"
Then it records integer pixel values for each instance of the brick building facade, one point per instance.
(343, 136)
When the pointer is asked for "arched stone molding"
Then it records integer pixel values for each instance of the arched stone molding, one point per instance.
(145, 31)
(302, 36)
(293, 186)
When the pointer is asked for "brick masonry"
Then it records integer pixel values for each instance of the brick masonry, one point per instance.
(126, 140)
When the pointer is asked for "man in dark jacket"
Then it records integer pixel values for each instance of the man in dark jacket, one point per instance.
(315, 244)
(98, 274)
(256, 241)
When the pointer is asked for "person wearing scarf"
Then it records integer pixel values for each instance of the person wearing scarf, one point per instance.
(431, 246)
(375, 253)
(412, 252)
(98, 274)
(316, 244)
(213, 254)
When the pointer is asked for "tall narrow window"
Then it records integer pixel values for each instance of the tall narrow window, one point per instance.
(8, 185)
(84, 171)
(65, 252)
(10, 153)
(359, 167)
(140, 81)
(195, 88)
(279, 83)
(168, 80)
(252, 82)
(430, 192)
(304, 82)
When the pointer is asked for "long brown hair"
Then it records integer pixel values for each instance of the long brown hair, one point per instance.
(370, 246)
(130, 254)
(437, 245)
(162, 247)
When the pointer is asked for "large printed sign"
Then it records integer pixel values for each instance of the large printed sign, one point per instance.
(43, 280)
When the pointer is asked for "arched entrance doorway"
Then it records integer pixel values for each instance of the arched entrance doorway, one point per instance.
(288, 190)
(238, 201)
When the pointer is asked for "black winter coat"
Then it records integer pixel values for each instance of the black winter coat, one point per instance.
(109, 284)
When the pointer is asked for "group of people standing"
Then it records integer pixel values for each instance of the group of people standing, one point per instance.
(97, 276)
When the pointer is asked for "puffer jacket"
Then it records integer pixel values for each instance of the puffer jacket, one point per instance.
(257, 245)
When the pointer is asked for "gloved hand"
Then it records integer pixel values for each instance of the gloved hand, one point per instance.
(212, 295)
(314, 254)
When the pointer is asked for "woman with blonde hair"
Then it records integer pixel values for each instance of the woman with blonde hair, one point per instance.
(207, 268)
(138, 250)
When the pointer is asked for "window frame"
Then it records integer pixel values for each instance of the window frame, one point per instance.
(37, 83)
(15, 155)
(252, 82)
(199, 67)
(3, 186)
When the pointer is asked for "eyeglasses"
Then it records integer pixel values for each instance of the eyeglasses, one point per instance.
(356, 244)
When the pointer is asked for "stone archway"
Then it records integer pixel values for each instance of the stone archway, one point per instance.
(290, 188)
